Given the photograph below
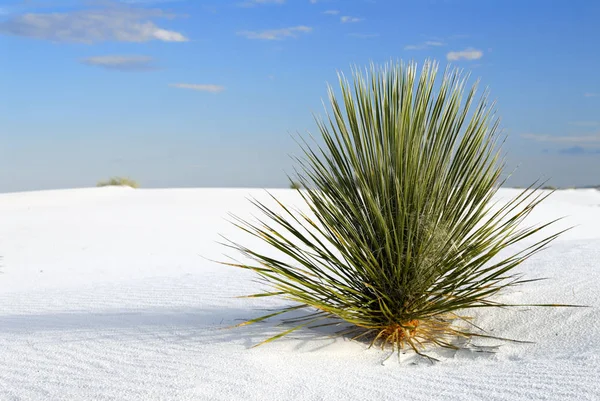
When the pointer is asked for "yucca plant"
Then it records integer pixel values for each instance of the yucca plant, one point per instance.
(400, 234)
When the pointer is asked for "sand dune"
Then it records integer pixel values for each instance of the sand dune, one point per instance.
(107, 294)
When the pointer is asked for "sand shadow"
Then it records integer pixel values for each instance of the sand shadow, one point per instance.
(199, 326)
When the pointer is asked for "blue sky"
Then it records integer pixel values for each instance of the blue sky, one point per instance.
(209, 93)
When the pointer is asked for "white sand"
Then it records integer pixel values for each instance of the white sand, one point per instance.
(105, 295)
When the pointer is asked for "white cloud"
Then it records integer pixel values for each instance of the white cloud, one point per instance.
(253, 3)
(92, 26)
(581, 139)
(425, 45)
(434, 42)
(276, 34)
(168, 36)
(589, 94)
(200, 87)
(149, 1)
(348, 19)
(331, 12)
(121, 63)
(467, 54)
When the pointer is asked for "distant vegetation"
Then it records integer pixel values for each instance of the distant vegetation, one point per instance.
(119, 182)
(295, 185)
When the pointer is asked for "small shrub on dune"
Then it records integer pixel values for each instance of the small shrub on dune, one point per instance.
(295, 185)
(118, 181)
(402, 233)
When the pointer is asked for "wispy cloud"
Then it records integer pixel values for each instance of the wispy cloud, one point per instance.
(467, 54)
(590, 94)
(254, 3)
(122, 63)
(574, 150)
(585, 123)
(425, 45)
(331, 12)
(277, 34)
(200, 87)
(364, 35)
(579, 139)
(578, 150)
(150, 1)
(346, 19)
(92, 26)
(433, 42)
